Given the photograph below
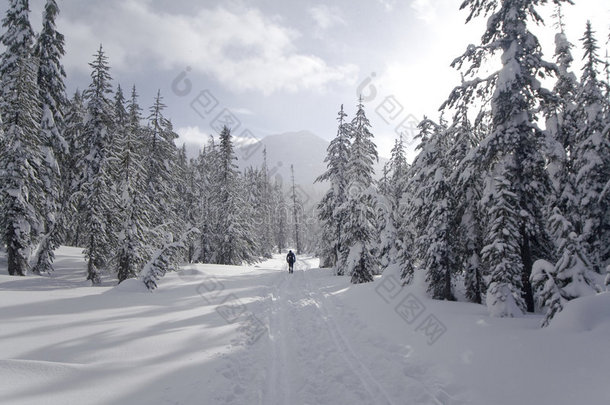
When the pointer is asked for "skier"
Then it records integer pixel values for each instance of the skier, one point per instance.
(290, 258)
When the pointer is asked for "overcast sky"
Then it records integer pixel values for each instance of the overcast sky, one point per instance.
(284, 65)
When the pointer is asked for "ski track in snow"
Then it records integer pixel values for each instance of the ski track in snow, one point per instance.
(303, 339)
(371, 385)
(420, 390)
(276, 380)
(308, 364)
(311, 361)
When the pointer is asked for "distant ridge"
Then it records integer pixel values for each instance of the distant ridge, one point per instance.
(303, 149)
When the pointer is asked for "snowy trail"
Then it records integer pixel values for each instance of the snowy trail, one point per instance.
(425, 393)
(243, 335)
(186, 352)
(311, 361)
(372, 386)
(278, 391)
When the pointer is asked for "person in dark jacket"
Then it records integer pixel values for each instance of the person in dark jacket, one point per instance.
(290, 258)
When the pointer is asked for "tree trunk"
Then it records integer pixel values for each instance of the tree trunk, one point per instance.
(16, 267)
(526, 258)
(448, 294)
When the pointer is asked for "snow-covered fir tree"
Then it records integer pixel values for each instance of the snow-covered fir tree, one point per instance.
(571, 277)
(410, 225)
(388, 234)
(432, 211)
(466, 185)
(297, 213)
(358, 232)
(280, 215)
(204, 211)
(134, 233)
(160, 158)
(514, 141)
(163, 259)
(391, 189)
(258, 198)
(49, 50)
(190, 205)
(234, 238)
(592, 156)
(336, 160)
(562, 126)
(182, 217)
(97, 202)
(21, 156)
(502, 252)
(266, 233)
(74, 120)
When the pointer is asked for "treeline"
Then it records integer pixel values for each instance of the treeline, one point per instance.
(96, 171)
(517, 215)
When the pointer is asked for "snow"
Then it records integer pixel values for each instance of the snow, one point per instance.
(585, 314)
(215, 334)
(501, 301)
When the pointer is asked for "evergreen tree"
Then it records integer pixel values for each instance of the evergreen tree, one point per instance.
(162, 260)
(161, 157)
(391, 190)
(398, 168)
(571, 277)
(182, 209)
(386, 229)
(562, 126)
(280, 216)
(592, 156)
(465, 170)
(432, 212)
(337, 159)
(297, 213)
(258, 202)
(120, 122)
(561, 123)
(466, 184)
(134, 233)
(71, 181)
(206, 212)
(266, 236)
(547, 291)
(235, 241)
(358, 233)
(515, 140)
(96, 199)
(191, 206)
(21, 156)
(412, 225)
(49, 50)
(502, 252)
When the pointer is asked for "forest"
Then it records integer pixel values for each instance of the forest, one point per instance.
(506, 203)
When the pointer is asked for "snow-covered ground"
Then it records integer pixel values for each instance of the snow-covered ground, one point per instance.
(257, 335)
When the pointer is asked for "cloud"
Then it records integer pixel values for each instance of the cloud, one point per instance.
(192, 135)
(426, 10)
(388, 5)
(243, 49)
(241, 111)
(326, 17)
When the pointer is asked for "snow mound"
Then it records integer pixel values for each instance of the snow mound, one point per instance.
(501, 301)
(584, 314)
(131, 285)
